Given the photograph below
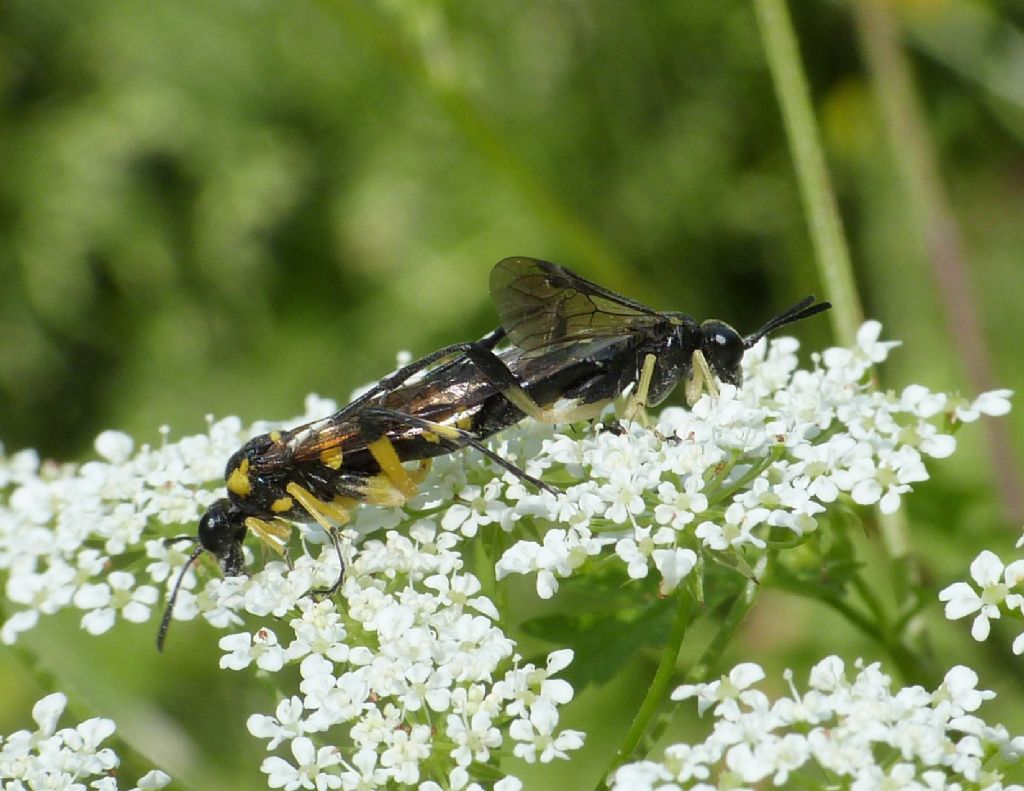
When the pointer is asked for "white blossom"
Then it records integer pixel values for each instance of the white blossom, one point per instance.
(64, 758)
(844, 727)
(406, 675)
(996, 586)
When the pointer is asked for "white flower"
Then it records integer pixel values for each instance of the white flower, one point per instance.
(625, 493)
(561, 553)
(726, 689)
(404, 752)
(993, 403)
(425, 685)
(105, 599)
(319, 631)
(537, 741)
(883, 482)
(674, 565)
(474, 737)
(65, 758)
(995, 582)
(152, 780)
(959, 691)
(244, 649)
(849, 729)
(736, 529)
(287, 724)
(922, 402)
(363, 772)
(477, 506)
(309, 770)
(636, 552)
(678, 508)
(114, 446)
(868, 350)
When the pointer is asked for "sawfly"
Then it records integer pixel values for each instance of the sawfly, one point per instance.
(568, 348)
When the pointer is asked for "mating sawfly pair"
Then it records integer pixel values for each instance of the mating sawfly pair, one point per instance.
(566, 348)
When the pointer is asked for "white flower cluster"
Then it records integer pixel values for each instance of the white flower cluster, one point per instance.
(722, 478)
(858, 733)
(414, 677)
(999, 587)
(737, 469)
(67, 758)
(408, 662)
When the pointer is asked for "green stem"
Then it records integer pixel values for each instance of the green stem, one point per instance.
(831, 253)
(658, 690)
(493, 545)
(707, 664)
(871, 600)
(741, 605)
(747, 477)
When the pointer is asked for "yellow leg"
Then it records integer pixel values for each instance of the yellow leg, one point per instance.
(700, 379)
(636, 407)
(420, 472)
(384, 452)
(328, 515)
(274, 533)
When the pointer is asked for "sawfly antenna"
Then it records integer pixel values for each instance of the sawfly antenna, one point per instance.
(803, 309)
(165, 624)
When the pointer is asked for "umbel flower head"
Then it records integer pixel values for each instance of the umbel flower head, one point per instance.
(407, 676)
(857, 731)
(52, 757)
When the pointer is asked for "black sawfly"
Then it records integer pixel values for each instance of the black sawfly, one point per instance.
(547, 310)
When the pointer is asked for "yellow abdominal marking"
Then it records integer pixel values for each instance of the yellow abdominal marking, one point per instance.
(275, 436)
(328, 515)
(332, 458)
(238, 481)
(281, 505)
(274, 533)
(465, 423)
(447, 432)
(384, 453)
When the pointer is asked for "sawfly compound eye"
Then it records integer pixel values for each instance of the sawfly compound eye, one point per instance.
(723, 347)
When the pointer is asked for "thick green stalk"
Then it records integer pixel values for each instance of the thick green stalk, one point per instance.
(831, 253)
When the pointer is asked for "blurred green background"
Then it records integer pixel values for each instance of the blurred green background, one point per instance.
(220, 206)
